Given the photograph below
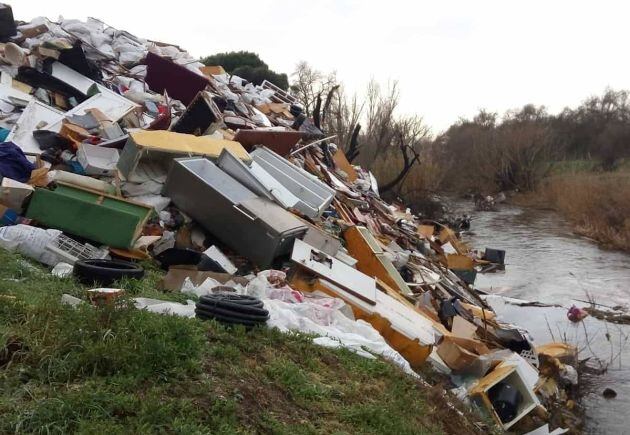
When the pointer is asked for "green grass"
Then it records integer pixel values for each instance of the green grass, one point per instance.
(119, 370)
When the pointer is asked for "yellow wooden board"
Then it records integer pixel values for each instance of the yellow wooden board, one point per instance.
(426, 230)
(342, 162)
(181, 143)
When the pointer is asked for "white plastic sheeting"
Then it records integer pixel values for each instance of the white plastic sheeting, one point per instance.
(290, 310)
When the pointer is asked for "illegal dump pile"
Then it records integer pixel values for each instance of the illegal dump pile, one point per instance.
(118, 150)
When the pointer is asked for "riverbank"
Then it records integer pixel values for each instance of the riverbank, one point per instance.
(89, 370)
(596, 204)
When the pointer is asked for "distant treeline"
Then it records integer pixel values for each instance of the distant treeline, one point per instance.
(515, 150)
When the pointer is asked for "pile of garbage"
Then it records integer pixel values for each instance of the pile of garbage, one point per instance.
(117, 149)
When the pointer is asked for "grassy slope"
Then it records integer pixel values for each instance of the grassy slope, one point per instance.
(93, 370)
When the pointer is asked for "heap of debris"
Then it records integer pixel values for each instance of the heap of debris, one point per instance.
(117, 149)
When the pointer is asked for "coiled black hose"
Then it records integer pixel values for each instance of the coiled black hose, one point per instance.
(232, 309)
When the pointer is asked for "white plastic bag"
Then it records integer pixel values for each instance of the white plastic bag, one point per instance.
(203, 289)
(30, 242)
(62, 270)
(165, 307)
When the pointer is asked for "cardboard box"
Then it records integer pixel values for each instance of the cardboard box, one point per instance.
(13, 193)
(460, 353)
(459, 262)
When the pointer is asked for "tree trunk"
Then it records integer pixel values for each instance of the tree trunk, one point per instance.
(317, 110)
(408, 164)
(328, 101)
(353, 150)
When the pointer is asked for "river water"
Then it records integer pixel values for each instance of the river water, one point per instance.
(546, 262)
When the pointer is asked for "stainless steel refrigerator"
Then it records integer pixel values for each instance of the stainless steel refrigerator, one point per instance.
(250, 225)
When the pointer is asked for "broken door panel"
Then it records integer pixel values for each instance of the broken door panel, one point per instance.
(351, 280)
(36, 116)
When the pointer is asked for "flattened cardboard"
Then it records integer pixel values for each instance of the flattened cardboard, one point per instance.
(463, 328)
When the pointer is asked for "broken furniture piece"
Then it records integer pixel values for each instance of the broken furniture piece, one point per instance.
(505, 394)
(372, 260)
(72, 251)
(36, 116)
(200, 114)
(279, 95)
(257, 179)
(280, 142)
(160, 147)
(177, 80)
(96, 160)
(94, 215)
(404, 329)
(13, 193)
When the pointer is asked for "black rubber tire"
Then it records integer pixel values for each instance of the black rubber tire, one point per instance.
(235, 308)
(106, 272)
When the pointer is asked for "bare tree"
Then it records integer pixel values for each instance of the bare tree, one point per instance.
(308, 83)
(380, 132)
(354, 148)
(411, 132)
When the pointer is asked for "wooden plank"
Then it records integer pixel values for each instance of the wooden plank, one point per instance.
(371, 260)
(342, 163)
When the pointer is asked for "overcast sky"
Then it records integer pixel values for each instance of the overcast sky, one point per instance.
(451, 58)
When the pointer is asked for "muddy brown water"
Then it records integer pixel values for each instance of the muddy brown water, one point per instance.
(547, 262)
